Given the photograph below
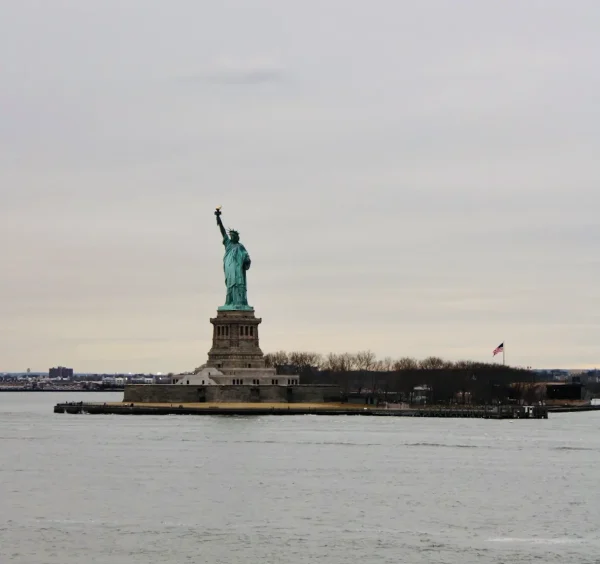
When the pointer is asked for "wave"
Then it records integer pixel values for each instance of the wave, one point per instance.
(538, 540)
(272, 442)
(444, 445)
(574, 448)
(345, 443)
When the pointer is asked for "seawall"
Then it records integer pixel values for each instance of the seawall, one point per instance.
(181, 393)
(279, 408)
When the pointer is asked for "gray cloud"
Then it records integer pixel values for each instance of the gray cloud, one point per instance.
(249, 71)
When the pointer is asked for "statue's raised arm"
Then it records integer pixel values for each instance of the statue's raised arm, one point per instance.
(220, 224)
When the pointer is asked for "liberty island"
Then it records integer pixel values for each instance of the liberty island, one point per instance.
(236, 375)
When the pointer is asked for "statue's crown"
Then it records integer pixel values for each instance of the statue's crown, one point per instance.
(233, 232)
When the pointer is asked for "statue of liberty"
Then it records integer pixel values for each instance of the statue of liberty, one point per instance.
(235, 263)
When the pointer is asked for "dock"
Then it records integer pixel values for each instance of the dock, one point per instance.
(247, 409)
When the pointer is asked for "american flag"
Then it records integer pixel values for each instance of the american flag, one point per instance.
(499, 349)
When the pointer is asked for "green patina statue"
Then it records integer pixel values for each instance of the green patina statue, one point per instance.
(235, 263)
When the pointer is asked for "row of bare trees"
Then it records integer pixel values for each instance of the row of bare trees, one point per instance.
(445, 380)
(362, 360)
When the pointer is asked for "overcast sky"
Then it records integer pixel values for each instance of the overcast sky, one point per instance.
(415, 178)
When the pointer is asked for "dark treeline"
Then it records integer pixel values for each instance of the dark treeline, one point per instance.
(594, 389)
(440, 381)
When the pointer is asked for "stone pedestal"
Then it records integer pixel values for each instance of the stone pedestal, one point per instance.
(235, 357)
(235, 341)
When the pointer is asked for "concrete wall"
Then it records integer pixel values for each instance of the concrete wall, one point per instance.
(161, 393)
(165, 393)
(315, 394)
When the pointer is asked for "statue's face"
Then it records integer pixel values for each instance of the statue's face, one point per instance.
(235, 238)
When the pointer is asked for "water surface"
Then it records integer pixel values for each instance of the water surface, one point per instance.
(173, 489)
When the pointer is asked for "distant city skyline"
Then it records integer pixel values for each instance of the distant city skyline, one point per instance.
(37, 373)
(432, 166)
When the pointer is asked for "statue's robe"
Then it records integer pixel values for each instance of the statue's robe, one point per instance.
(235, 263)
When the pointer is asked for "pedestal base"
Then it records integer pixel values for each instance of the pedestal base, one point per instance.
(209, 376)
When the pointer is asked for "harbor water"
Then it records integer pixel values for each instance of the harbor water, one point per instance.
(174, 489)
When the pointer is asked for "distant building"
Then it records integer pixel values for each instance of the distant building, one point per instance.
(60, 372)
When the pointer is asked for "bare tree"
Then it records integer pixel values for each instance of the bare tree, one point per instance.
(304, 360)
(332, 362)
(296, 359)
(365, 360)
(432, 362)
(343, 362)
(349, 361)
(386, 364)
(314, 360)
(405, 363)
(276, 359)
